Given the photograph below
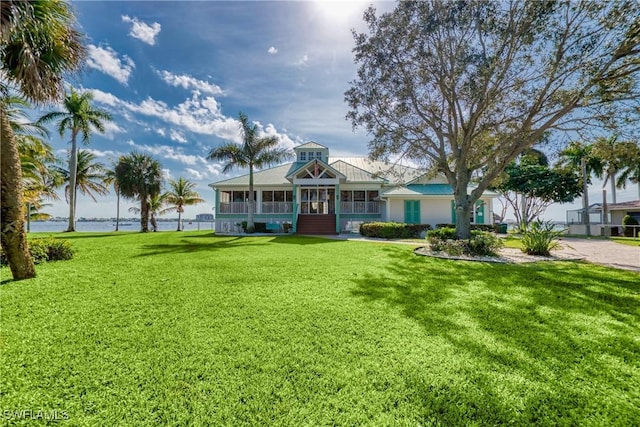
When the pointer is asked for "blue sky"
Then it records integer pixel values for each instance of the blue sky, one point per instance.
(174, 75)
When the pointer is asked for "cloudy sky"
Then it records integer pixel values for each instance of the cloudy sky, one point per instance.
(174, 75)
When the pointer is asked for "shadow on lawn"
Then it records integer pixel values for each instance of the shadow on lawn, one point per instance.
(552, 325)
(196, 243)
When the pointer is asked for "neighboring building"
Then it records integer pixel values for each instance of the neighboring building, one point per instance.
(320, 194)
(205, 217)
(615, 213)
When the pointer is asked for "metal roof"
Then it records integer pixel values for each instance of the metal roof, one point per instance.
(426, 190)
(310, 144)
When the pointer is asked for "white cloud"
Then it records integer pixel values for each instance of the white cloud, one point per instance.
(167, 152)
(142, 31)
(177, 136)
(193, 174)
(272, 50)
(302, 61)
(189, 82)
(160, 131)
(110, 154)
(107, 60)
(110, 129)
(167, 174)
(195, 114)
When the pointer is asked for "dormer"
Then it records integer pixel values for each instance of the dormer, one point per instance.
(311, 151)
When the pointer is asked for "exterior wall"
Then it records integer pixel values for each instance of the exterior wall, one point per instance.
(433, 210)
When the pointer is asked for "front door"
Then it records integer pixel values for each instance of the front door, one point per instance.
(318, 200)
(412, 211)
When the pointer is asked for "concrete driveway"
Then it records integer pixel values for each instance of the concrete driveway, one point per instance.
(603, 252)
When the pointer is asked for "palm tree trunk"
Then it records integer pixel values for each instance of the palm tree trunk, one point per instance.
(613, 187)
(117, 210)
(144, 214)
(154, 223)
(13, 237)
(251, 227)
(179, 216)
(73, 170)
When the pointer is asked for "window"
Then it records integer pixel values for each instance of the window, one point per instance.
(310, 155)
(319, 155)
(303, 156)
(358, 196)
(372, 196)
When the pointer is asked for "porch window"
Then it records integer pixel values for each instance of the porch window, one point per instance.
(277, 201)
(234, 201)
(303, 156)
(359, 201)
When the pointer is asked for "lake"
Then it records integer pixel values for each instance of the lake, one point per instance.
(106, 226)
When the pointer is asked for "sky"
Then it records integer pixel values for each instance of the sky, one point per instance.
(175, 75)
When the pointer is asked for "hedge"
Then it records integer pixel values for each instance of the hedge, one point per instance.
(392, 230)
(43, 249)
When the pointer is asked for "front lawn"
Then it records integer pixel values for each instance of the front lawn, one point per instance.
(192, 329)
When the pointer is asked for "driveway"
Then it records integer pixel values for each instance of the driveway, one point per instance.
(603, 252)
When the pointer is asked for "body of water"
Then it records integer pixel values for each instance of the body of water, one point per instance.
(105, 226)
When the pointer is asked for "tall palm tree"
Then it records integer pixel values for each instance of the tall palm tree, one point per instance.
(90, 177)
(255, 152)
(38, 45)
(180, 194)
(110, 179)
(139, 178)
(79, 117)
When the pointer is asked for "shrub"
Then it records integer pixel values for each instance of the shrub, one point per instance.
(481, 227)
(43, 249)
(481, 242)
(392, 230)
(539, 238)
(629, 231)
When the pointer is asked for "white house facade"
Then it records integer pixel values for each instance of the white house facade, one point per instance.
(321, 194)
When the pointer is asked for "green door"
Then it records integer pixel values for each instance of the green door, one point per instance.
(480, 212)
(412, 211)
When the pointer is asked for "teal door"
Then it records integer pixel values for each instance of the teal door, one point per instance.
(479, 212)
(412, 211)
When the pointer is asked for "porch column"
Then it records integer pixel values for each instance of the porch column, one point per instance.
(294, 209)
(258, 209)
(336, 201)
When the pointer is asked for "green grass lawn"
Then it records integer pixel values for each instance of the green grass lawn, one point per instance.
(191, 329)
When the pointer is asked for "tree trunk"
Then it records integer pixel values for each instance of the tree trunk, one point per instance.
(613, 187)
(73, 171)
(179, 216)
(250, 225)
(117, 210)
(586, 220)
(13, 237)
(144, 214)
(154, 223)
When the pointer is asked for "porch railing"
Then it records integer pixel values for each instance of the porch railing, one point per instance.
(277, 207)
(233, 208)
(360, 207)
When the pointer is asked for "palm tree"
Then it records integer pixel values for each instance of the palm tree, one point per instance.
(79, 117)
(139, 178)
(579, 156)
(255, 152)
(156, 208)
(181, 194)
(110, 179)
(631, 169)
(38, 44)
(90, 177)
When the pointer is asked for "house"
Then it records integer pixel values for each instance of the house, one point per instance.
(615, 213)
(321, 194)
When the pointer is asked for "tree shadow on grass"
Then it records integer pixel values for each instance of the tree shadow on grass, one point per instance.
(536, 331)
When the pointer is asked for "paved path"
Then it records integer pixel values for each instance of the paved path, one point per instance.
(597, 251)
(604, 252)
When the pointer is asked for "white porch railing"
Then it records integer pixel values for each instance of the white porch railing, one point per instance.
(233, 208)
(277, 207)
(360, 207)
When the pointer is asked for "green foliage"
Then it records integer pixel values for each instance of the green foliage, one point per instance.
(43, 249)
(481, 243)
(481, 227)
(392, 230)
(172, 329)
(630, 231)
(540, 238)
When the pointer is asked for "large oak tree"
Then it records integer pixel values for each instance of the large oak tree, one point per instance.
(464, 87)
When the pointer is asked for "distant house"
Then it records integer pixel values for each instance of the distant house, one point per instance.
(321, 194)
(205, 217)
